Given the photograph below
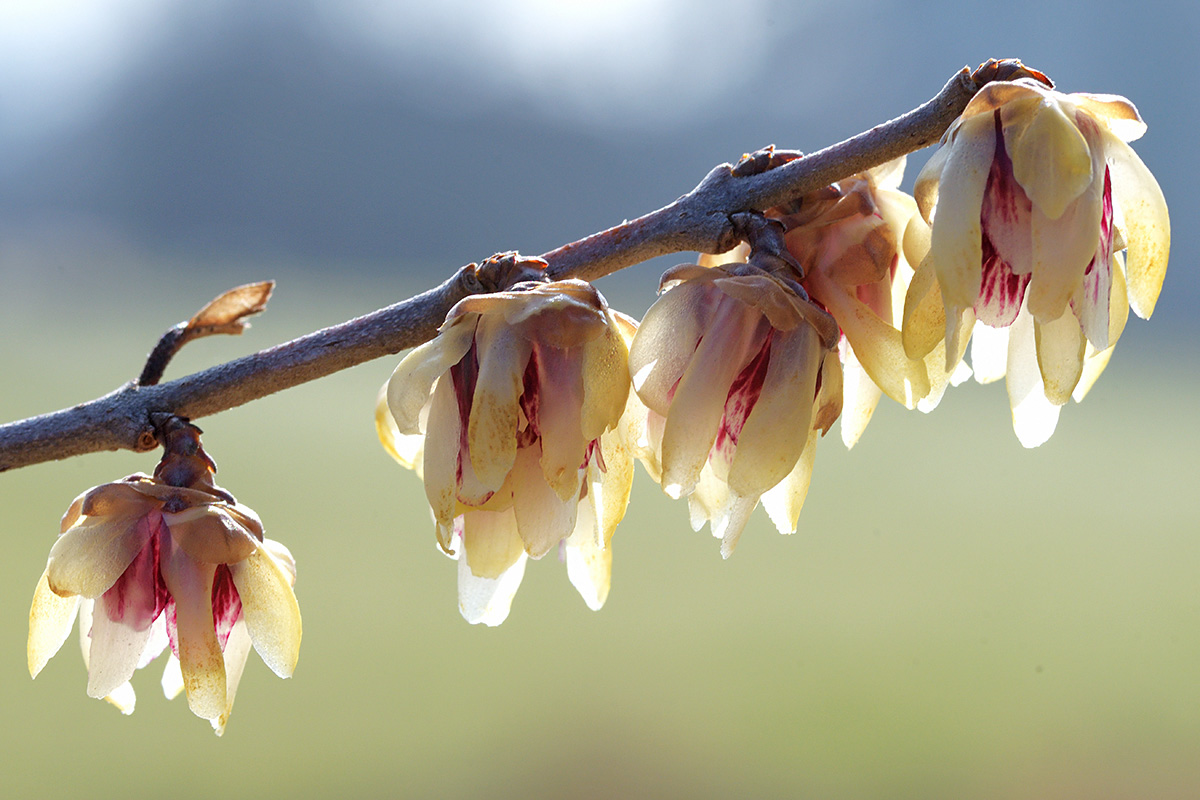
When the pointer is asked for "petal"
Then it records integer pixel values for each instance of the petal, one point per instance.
(1145, 223)
(442, 452)
(1050, 156)
(172, 678)
(774, 434)
(50, 619)
(116, 648)
(543, 518)
(956, 247)
(989, 352)
(925, 190)
(1115, 112)
(924, 320)
(270, 610)
(1060, 348)
(408, 450)
(861, 396)
(90, 557)
(495, 411)
(210, 534)
(483, 599)
(559, 414)
(200, 658)
(1034, 417)
(589, 564)
(411, 383)
(666, 341)
(491, 542)
(784, 501)
(606, 385)
(696, 411)
(237, 651)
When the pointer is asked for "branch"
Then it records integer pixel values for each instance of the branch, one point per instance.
(698, 221)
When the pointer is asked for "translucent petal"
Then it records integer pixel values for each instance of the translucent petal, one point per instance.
(731, 524)
(606, 383)
(487, 600)
(861, 396)
(1145, 223)
(124, 698)
(956, 248)
(784, 501)
(924, 320)
(775, 432)
(560, 407)
(407, 449)
(441, 453)
(492, 429)
(1050, 157)
(666, 341)
(200, 658)
(270, 610)
(50, 619)
(210, 534)
(1060, 348)
(989, 352)
(491, 542)
(925, 191)
(116, 650)
(237, 651)
(589, 564)
(172, 678)
(409, 386)
(699, 403)
(1034, 417)
(88, 558)
(1116, 112)
(543, 518)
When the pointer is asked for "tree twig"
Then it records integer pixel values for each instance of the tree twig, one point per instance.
(698, 221)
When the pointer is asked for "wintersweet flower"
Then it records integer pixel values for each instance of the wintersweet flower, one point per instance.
(515, 416)
(847, 237)
(173, 561)
(1031, 197)
(738, 371)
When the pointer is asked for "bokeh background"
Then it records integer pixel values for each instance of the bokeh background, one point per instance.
(957, 617)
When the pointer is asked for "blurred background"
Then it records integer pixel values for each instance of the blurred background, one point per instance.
(957, 617)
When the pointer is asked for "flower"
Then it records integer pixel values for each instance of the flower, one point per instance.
(169, 560)
(847, 237)
(734, 366)
(515, 417)
(1031, 197)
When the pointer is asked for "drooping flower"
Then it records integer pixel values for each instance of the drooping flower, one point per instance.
(173, 561)
(847, 237)
(739, 372)
(1031, 197)
(515, 416)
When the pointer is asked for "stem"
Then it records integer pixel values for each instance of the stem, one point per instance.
(699, 221)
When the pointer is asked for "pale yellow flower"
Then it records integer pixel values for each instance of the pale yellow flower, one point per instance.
(739, 373)
(847, 237)
(515, 415)
(146, 565)
(1031, 197)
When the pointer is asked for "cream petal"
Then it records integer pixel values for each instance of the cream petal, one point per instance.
(200, 659)
(609, 489)
(237, 651)
(1144, 221)
(172, 678)
(589, 564)
(861, 396)
(487, 600)
(124, 698)
(956, 243)
(410, 385)
(1060, 348)
(776, 430)
(925, 190)
(989, 352)
(50, 619)
(210, 534)
(731, 524)
(606, 385)
(1062, 249)
(1050, 157)
(879, 346)
(408, 450)
(699, 403)
(560, 407)
(1116, 112)
(1034, 417)
(90, 557)
(1095, 360)
(784, 501)
(924, 319)
(491, 542)
(709, 500)
(442, 452)
(495, 409)
(115, 651)
(543, 518)
(270, 610)
(666, 340)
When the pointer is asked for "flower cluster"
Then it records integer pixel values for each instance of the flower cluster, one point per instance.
(1033, 229)
(169, 560)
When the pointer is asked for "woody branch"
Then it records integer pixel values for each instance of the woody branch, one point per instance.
(698, 221)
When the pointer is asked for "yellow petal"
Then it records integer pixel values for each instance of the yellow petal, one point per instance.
(924, 320)
(956, 243)
(50, 619)
(441, 453)
(89, 558)
(270, 610)
(589, 564)
(1060, 348)
(210, 534)
(1050, 156)
(560, 408)
(1144, 221)
(409, 387)
(1115, 112)
(1034, 417)
(606, 383)
(861, 396)
(492, 428)
(200, 658)
(666, 341)
(543, 518)
(784, 501)
(491, 542)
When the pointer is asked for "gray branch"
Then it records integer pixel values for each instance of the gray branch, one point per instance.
(698, 221)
